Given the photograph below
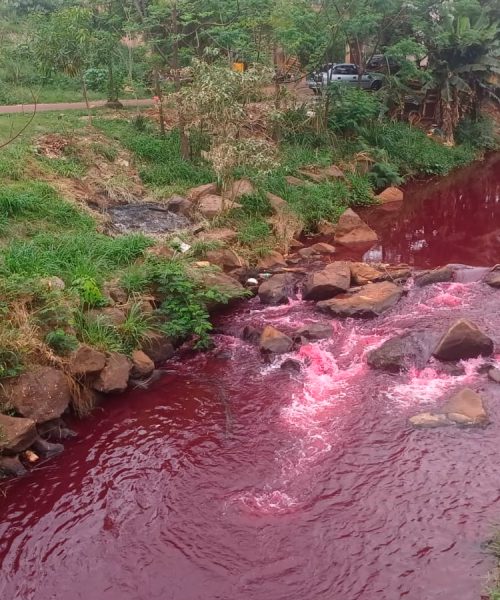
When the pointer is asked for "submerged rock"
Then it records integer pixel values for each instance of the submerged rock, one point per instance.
(466, 408)
(437, 276)
(272, 340)
(146, 217)
(463, 340)
(493, 277)
(251, 334)
(332, 280)
(41, 395)
(314, 332)
(11, 466)
(277, 289)
(403, 352)
(494, 374)
(430, 420)
(292, 365)
(16, 434)
(46, 449)
(351, 229)
(370, 301)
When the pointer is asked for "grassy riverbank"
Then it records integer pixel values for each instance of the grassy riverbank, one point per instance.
(57, 264)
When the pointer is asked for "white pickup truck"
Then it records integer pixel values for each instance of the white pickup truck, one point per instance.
(344, 73)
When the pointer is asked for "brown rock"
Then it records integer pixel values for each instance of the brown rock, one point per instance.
(351, 229)
(86, 361)
(53, 283)
(326, 228)
(493, 277)
(142, 365)
(275, 341)
(390, 194)
(251, 334)
(116, 293)
(463, 340)
(362, 273)
(223, 283)
(179, 205)
(277, 289)
(333, 172)
(294, 244)
(11, 466)
(436, 276)
(466, 408)
(429, 420)
(291, 180)
(239, 188)
(313, 331)
(371, 301)
(16, 434)
(332, 280)
(494, 374)
(313, 175)
(225, 258)
(115, 375)
(161, 251)
(272, 260)
(322, 248)
(111, 315)
(41, 395)
(277, 203)
(223, 235)
(211, 206)
(196, 193)
(158, 347)
(403, 352)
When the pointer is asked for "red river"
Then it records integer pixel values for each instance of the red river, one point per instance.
(232, 479)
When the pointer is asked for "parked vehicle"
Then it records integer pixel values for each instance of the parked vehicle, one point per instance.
(344, 73)
(382, 64)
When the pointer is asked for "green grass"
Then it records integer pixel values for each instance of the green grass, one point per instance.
(413, 152)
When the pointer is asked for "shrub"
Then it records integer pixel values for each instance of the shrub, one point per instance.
(478, 133)
(351, 108)
(61, 342)
(134, 329)
(98, 333)
(89, 292)
(384, 174)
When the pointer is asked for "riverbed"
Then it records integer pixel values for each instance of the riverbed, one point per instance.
(233, 479)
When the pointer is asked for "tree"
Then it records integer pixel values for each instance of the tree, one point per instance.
(65, 42)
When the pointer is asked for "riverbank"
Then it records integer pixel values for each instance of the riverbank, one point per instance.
(106, 268)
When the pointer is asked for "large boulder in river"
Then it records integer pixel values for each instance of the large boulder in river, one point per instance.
(225, 258)
(142, 365)
(436, 276)
(363, 273)
(42, 395)
(115, 375)
(466, 408)
(275, 341)
(16, 434)
(351, 230)
(403, 352)
(371, 301)
(463, 340)
(390, 194)
(224, 284)
(332, 280)
(277, 289)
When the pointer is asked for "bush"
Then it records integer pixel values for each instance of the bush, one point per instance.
(478, 133)
(61, 342)
(412, 152)
(351, 108)
(384, 174)
(96, 79)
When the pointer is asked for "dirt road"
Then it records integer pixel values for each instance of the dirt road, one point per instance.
(59, 106)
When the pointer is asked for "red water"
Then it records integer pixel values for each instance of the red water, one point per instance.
(235, 480)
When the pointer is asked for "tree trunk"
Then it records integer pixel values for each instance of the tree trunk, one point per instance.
(159, 95)
(447, 121)
(177, 83)
(86, 97)
(113, 101)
